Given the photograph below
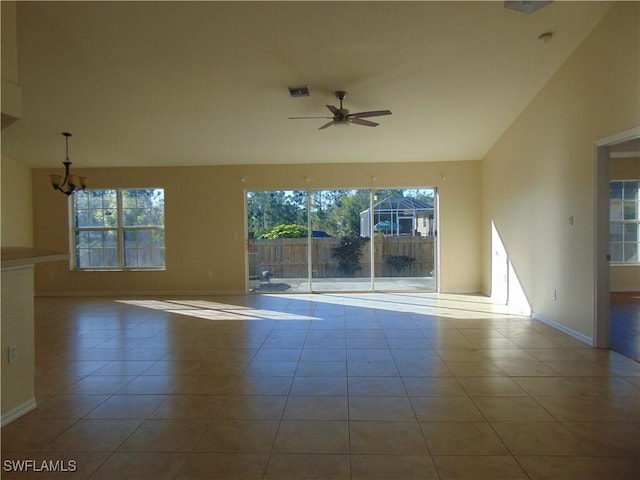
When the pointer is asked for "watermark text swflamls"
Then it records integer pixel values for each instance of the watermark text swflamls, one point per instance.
(30, 465)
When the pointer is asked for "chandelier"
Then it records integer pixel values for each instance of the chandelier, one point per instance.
(71, 183)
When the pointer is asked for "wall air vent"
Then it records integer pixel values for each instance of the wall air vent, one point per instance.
(299, 91)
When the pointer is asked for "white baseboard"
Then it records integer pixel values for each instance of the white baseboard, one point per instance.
(142, 293)
(564, 329)
(463, 291)
(18, 411)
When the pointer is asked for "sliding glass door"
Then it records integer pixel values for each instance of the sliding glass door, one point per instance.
(277, 243)
(340, 251)
(342, 240)
(405, 229)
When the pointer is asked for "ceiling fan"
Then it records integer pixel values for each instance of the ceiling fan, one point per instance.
(342, 117)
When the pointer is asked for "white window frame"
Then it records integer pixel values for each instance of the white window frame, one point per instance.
(623, 222)
(120, 229)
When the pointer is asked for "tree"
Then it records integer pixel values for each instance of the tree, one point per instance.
(322, 202)
(143, 206)
(336, 212)
(267, 209)
(346, 212)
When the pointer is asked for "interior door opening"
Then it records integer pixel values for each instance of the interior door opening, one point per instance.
(622, 143)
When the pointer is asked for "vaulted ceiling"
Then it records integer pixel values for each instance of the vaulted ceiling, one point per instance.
(204, 83)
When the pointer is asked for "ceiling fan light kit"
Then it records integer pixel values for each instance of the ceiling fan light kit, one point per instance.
(342, 118)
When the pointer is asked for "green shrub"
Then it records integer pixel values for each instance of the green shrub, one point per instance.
(399, 262)
(287, 231)
(348, 254)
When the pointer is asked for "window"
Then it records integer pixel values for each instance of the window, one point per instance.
(118, 229)
(624, 208)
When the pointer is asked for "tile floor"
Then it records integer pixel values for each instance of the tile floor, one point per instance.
(367, 386)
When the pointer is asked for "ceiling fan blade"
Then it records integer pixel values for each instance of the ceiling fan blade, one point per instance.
(328, 124)
(373, 113)
(306, 118)
(366, 123)
(334, 110)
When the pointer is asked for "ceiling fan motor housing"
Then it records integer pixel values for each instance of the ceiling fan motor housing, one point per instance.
(342, 117)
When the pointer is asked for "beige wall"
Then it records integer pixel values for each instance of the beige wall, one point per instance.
(204, 209)
(17, 204)
(9, 43)
(18, 392)
(11, 98)
(17, 291)
(624, 278)
(540, 174)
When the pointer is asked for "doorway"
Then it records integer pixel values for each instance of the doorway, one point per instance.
(603, 158)
(405, 234)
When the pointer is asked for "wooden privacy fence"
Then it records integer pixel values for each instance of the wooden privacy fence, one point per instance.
(287, 257)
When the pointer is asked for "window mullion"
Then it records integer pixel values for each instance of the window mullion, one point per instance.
(120, 230)
(73, 229)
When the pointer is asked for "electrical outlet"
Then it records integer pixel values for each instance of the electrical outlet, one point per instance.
(209, 273)
(11, 353)
(554, 294)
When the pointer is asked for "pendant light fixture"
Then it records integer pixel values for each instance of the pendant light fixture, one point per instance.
(70, 184)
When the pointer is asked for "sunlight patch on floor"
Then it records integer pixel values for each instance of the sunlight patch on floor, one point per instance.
(436, 304)
(215, 310)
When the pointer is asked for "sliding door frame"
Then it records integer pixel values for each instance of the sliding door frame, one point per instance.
(371, 244)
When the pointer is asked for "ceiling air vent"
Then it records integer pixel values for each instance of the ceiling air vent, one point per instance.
(526, 7)
(299, 91)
